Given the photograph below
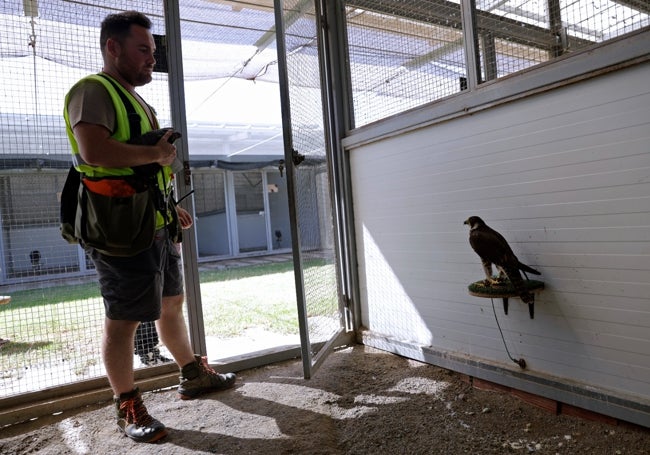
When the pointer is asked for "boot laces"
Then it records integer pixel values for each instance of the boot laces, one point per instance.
(205, 367)
(135, 412)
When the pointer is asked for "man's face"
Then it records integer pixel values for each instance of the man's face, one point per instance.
(135, 59)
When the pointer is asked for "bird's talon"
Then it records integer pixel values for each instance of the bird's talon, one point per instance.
(494, 282)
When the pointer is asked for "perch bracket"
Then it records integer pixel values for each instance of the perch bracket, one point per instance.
(504, 290)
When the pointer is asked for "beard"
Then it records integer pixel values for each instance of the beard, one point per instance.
(134, 74)
(141, 77)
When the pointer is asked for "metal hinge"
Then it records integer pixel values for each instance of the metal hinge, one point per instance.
(347, 315)
(296, 157)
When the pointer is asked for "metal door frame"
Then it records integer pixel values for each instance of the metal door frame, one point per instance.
(310, 361)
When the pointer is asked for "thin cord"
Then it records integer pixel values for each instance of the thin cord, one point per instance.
(520, 362)
(32, 44)
(188, 194)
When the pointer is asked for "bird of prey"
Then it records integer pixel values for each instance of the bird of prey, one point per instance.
(493, 248)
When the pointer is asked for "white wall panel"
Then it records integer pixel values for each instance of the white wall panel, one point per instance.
(565, 176)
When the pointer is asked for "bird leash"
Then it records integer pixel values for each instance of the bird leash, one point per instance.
(520, 362)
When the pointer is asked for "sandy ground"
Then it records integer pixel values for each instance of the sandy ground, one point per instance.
(361, 401)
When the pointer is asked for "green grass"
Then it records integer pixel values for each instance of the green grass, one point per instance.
(254, 296)
(65, 322)
(237, 273)
(59, 294)
(261, 296)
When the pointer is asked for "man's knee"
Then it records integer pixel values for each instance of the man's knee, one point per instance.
(120, 326)
(116, 331)
(172, 303)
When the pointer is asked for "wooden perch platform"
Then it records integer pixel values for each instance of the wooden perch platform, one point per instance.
(503, 290)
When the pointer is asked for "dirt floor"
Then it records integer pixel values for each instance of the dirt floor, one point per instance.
(361, 401)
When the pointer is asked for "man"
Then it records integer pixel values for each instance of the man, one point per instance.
(146, 286)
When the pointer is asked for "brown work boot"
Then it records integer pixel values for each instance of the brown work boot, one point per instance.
(134, 420)
(198, 378)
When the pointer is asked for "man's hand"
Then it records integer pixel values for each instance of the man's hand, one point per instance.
(184, 217)
(167, 149)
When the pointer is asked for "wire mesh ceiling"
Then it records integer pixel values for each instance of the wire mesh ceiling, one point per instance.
(223, 38)
(215, 43)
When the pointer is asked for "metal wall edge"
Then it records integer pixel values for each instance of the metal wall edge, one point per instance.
(628, 409)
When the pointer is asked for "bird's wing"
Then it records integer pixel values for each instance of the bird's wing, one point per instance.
(509, 257)
(500, 242)
(489, 245)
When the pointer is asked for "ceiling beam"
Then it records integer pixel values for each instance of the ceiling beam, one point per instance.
(263, 5)
(447, 14)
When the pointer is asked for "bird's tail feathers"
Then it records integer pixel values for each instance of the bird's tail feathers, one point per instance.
(518, 284)
(525, 268)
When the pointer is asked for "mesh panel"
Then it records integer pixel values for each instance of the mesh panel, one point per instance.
(209, 196)
(220, 42)
(54, 314)
(248, 301)
(517, 34)
(403, 55)
(596, 21)
(248, 192)
(312, 185)
(244, 45)
(406, 53)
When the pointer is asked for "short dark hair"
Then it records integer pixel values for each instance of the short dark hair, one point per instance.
(118, 26)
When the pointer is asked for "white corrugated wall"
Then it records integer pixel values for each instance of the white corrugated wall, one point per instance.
(564, 175)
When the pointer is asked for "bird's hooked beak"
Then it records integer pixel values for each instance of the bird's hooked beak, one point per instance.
(468, 222)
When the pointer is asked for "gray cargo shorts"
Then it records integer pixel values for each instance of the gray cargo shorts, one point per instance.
(133, 287)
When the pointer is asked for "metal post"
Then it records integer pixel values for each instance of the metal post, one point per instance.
(557, 30)
(489, 55)
(184, 185)
(338, 103)
(472, 55)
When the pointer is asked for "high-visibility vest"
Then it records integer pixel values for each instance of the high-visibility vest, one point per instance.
(122, 133)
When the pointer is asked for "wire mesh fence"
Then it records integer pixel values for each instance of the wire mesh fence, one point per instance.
(404, 54)
(517, 34)
(313, 206)
(53, 319)
(53, 314)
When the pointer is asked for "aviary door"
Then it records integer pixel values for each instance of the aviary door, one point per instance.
(309, 181)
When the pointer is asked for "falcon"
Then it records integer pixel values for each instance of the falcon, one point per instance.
(493, 248)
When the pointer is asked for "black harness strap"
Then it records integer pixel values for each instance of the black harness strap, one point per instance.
(133, 116)
(135, 131)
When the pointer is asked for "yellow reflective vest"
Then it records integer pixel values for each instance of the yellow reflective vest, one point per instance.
(122, 133)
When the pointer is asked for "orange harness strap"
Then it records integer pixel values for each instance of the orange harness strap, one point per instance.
(109, 187)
